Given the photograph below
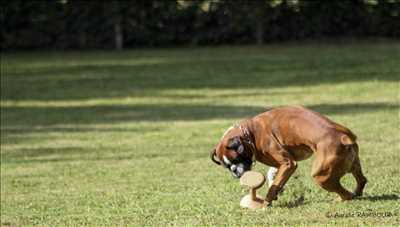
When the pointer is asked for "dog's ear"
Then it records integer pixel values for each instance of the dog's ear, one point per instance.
(236, 144)
(213, 155)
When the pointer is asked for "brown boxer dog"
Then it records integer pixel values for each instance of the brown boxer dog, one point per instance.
(283, 136)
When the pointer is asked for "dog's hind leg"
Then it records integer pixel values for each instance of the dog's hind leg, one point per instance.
(329, 167)
(332, 184)
(358, 174)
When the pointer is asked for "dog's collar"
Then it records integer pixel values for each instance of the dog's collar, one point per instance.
(247, 139)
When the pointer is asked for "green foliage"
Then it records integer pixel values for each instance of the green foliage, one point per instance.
(123, 138)
(100, 24)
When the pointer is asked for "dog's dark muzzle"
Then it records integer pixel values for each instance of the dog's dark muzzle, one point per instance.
(239, 169)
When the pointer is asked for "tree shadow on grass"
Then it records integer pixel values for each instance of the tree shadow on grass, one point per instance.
(105, 114)
(72, 154)
(43, 154)
(20, 116)
(348, 108)
(16, 129)
(34, 152)
(106, 81)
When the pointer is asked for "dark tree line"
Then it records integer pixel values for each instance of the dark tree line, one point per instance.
(73, 24)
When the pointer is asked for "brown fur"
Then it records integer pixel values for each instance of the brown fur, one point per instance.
(285, 135)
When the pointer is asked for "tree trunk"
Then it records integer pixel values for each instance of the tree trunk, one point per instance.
(119, 38)
(117, 19)
(259, 32)
(258, 18)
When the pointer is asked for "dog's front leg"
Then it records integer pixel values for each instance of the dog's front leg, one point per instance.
(287, 166)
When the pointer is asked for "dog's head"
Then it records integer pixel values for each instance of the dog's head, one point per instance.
(234, 151)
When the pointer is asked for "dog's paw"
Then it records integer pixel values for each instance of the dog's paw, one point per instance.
(345, 198)
(281, 190)
(357, 194)
(339, 199)
(267, 204)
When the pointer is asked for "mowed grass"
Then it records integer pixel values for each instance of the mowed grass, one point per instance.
(123, 138)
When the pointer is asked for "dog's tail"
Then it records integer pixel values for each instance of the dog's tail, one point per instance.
(348, 139)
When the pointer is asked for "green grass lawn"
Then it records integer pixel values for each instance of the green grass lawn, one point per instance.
(123, 138)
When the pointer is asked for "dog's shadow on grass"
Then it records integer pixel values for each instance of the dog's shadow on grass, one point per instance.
(373, 198)
(299, 201)
(383, 197)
